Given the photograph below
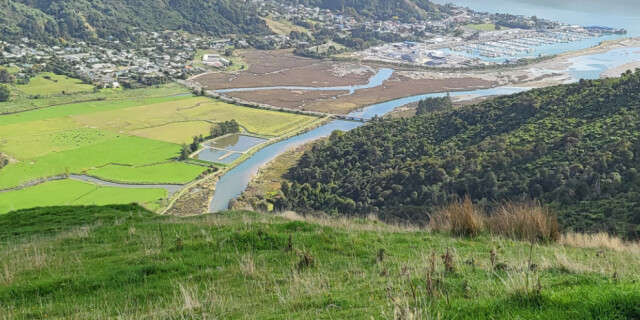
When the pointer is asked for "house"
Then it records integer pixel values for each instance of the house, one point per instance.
(410, 57)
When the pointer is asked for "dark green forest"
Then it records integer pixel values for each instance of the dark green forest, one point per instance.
(50, 21)
(404, 10)
(573, 147)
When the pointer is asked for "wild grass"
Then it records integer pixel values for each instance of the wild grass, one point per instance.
(461, 218)
(527, 221)
(600, 240)
(124, 262)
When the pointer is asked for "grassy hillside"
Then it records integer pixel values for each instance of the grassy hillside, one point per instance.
(123, 261)
(574, 147)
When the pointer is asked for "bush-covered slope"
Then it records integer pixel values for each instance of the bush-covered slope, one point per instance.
(575, 147)
(48, 20)
(405, 10)
(127, 263)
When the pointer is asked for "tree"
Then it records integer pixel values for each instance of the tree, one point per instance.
(185, 151)
(5, 93)
(6, 76)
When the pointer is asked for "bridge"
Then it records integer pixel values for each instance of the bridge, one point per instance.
(353, 119)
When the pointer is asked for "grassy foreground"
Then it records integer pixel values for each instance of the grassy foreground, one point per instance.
(125, 262)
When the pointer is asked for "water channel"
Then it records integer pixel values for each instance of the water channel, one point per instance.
(236, 180)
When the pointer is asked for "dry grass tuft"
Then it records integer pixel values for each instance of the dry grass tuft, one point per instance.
(6, 277)
(189, 297)
(290, 215)
(247, 266)
(461, 218)
(599, 241)
(527, 221)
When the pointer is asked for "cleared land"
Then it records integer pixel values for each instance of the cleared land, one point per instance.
(22, 102)
(484, 27)
(145, 120)
(125, 136)
(283, 26)
(171, 172)
(72, 192)
(50, 83)
(176, 132)
(125, 150)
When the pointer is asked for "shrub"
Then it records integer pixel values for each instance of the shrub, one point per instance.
(524, 221)
(461, 218)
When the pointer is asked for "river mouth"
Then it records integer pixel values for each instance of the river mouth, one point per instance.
(228, 148)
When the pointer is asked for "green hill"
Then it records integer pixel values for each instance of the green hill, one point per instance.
(405, 10)
(125, 262)
(50, 21)
(573, 147)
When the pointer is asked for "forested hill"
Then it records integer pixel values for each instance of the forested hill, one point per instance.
(574, 147)
(50, 21)
(405, 10)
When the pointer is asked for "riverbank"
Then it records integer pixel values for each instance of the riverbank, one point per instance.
(197, 196)
(266, 183)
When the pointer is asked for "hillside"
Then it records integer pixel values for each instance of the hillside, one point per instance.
(125, 262)
(574, 147)
(405, 10)
(51, 21)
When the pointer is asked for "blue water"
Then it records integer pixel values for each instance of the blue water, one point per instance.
(611, 13)
(235, 142)
(377, 80)
(234, 182)
(545, 49)
(215, 155)
(592, 66)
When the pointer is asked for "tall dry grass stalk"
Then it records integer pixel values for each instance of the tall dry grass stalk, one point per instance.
(599, 241)
(527, 221)
(247, 266)
(461, 218)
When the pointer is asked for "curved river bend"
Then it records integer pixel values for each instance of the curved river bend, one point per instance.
(235, 181)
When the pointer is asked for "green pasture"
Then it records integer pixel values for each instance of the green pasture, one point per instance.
(136, 119)
(175, 132)
(484, 27)
(168, 173)
(129, 136)
(22, 102)
(49, 83)
(42, 144)
(83, 108)
(73, 192)
(125, 150)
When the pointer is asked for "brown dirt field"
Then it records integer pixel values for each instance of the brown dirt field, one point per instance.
(291, 99)
(282, 68)
(394, 88)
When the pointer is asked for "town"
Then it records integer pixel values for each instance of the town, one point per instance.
(456, 37)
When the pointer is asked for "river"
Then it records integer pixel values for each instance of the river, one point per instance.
(612, 13)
